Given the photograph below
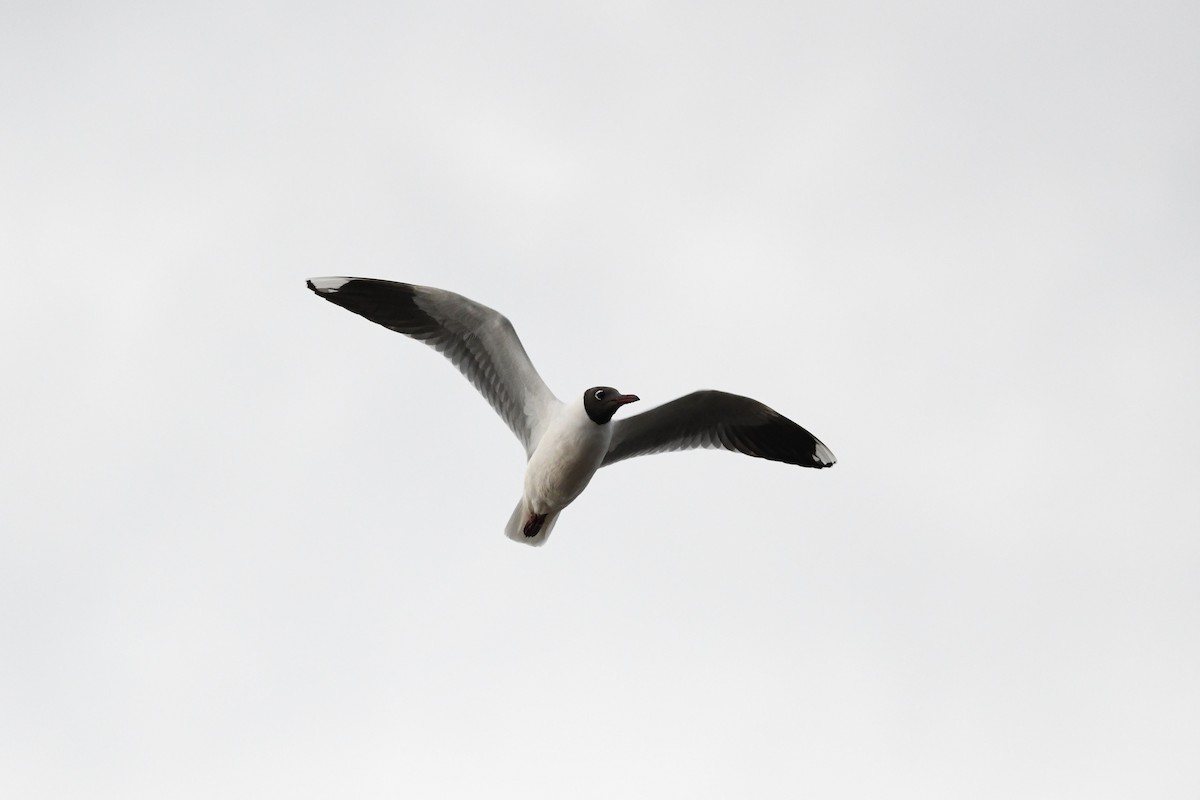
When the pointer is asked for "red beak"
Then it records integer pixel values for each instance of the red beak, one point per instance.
(626, 398)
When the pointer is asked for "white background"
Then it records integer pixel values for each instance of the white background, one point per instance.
(252, 544)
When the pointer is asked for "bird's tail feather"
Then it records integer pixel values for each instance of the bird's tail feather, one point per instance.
(515, 529)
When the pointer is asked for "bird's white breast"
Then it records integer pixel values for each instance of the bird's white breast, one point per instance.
(567, 456)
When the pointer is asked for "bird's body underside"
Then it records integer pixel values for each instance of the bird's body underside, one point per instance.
(565, 443)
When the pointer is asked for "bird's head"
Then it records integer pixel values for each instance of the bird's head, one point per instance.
(601, 402)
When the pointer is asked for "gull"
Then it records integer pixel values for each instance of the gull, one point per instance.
(565, 442)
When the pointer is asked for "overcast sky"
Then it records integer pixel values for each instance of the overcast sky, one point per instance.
(253, 545)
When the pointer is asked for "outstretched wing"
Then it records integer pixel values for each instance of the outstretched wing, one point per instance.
(715, 419)
(479, 341)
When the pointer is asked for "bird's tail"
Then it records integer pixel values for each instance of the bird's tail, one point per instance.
(528, 528)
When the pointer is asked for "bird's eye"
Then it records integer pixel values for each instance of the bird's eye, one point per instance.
(599, 394)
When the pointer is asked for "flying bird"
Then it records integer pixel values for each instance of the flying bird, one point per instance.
(565, 443)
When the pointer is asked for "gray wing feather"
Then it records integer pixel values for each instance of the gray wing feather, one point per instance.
(712, 419)
(478, 340)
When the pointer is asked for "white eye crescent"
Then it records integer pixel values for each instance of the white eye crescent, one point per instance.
(599, 394)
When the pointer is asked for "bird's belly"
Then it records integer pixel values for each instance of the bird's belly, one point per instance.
(559, 472)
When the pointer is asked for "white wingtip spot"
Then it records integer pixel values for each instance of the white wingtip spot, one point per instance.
(327, 284)
(825, 455)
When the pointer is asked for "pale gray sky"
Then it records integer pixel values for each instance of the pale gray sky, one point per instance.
(252, 545)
